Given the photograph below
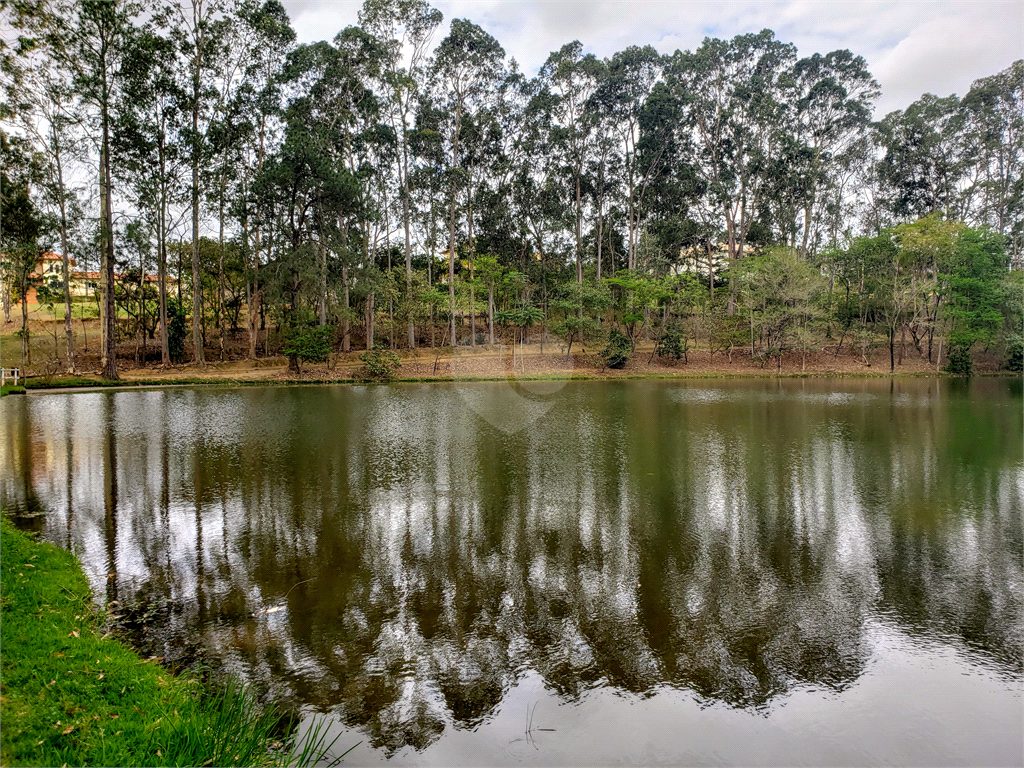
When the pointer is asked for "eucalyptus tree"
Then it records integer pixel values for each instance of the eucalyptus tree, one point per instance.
(924, 159)
(265, 36)
(622, 94)
(467, 66)
(333, 106)
(148, 142)
(735, 96)
(96, 51)
(994, 110)
(22, 224)
(406, 28)
(603, 169)
(572, 79)
(833, 99)
(665, 147)
(199, 27)
(40, 97)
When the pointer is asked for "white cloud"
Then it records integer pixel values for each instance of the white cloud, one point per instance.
(937, 46)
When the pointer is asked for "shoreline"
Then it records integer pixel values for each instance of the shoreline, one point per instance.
(547, 362)
(96, 385)
(76, 693)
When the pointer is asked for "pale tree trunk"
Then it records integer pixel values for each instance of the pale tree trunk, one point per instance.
(323, 285)
(254, 303)
(451, 226)
(26, 351)
(346, 328)
(472, 253)
(579, 233)
(65, 262)
(109, 323)
(165, 349)
(369, 320)
(222, 315)
(197, 287)
(490, 314)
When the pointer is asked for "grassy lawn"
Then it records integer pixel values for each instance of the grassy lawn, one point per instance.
(72, 695)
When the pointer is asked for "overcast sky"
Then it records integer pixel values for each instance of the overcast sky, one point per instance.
(912, 46)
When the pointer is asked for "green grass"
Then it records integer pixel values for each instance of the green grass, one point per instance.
(71, 695)
(63, 381)
(10, 389)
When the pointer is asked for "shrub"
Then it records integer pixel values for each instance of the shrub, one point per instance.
(381, 363)
(1015, 355)
(673, 344)
(959, 362)
(177, 330)
(311, 345)
(619, 348)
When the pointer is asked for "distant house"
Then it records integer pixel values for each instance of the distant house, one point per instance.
(695, 260)
(49, 268)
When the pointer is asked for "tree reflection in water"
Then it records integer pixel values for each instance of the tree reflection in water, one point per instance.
(385, 555)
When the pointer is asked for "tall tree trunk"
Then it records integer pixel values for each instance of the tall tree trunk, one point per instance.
(65, 261)
(26, 351)
(408, 262)
(221, 314)
(107, 248)
(579, 233)
(490, 314)
(322, 318)
(369, 320)
(197, 286)
(346, 326)
(161, 245)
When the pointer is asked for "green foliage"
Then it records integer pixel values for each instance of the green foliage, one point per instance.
(11, 389)
(619, 348)
(974, 279)
(959, 362)
(381, 364)
(310, 345)
(1015, 354)
(672, 343)
(177, 330)
(72, 696)
(580, 305)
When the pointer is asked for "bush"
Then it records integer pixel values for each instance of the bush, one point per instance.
(619, 348)
(381, 363)
(673, 344)
(1015, 355)
(959, 362)
(312, 345)
(177, 330)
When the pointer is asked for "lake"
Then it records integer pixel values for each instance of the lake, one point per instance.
(758, 572)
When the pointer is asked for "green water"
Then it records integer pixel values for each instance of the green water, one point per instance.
(739, 572)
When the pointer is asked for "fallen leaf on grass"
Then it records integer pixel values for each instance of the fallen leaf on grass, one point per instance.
(114, 717)
(67, 730)
(74, 633)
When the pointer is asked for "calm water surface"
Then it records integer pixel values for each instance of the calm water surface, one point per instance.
(761, 572)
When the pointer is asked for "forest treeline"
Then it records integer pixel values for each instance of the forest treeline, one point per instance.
(406, 184)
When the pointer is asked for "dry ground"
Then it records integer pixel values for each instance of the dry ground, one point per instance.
(536, 360)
